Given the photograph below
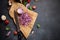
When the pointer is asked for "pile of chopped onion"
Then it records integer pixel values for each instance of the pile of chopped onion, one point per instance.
(24, 19)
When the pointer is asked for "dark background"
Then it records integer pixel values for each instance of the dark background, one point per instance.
(48, 17)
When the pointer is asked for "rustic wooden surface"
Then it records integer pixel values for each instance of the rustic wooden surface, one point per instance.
(25, 30)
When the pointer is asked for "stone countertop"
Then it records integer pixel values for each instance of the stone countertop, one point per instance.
(49, 19)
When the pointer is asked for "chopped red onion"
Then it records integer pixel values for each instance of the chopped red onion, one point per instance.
(24, 19)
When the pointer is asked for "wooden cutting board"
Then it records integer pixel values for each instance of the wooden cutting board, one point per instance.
(25, 30)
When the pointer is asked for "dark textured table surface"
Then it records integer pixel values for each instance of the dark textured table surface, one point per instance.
(49, 19)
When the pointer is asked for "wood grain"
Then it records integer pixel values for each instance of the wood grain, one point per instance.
(25, 30)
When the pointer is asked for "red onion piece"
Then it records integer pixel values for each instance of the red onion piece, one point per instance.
(27, 5)
(8, 33)
(20, 11)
